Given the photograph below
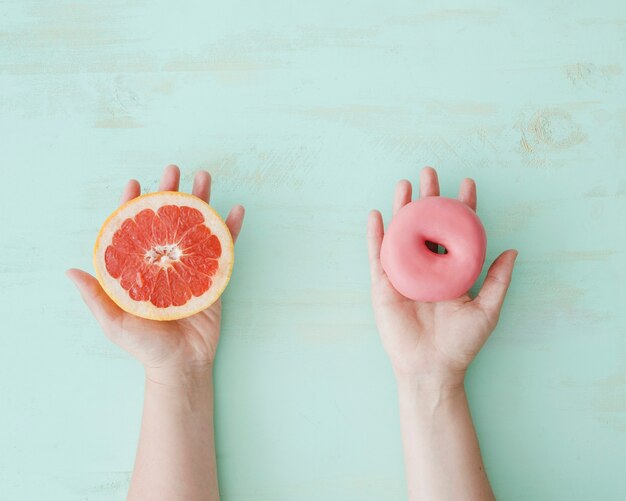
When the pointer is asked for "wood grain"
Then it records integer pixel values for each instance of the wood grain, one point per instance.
(308, 114)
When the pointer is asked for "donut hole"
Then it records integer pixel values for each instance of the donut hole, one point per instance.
(435, 248)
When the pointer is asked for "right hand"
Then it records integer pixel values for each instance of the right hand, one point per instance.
(434, 343)
(181, 345)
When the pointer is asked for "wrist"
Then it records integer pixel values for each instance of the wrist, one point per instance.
(429, 397)
(437, 383)
(180, 376)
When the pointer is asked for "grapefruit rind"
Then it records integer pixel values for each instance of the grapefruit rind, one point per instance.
(146, 309)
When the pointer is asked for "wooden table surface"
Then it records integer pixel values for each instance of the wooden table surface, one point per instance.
(307, 113)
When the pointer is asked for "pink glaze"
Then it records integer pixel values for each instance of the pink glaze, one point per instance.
(417, 272)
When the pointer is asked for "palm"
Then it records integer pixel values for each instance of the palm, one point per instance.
(191, 340)
(437, 337)
(157, 344)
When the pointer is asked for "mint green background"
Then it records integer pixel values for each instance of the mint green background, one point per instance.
(307, 113)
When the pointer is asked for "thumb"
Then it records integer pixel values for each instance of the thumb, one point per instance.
(496, 284)
(101, 305)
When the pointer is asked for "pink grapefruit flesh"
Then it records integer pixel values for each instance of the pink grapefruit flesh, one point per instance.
(163, 256)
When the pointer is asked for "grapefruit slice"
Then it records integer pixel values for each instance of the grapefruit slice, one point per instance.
(164, 255)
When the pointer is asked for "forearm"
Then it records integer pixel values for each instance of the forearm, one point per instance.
(176, 453)
(442, 455)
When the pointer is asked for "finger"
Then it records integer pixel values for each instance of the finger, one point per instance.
(429, 187)
(467, 193)
(234, 221)
(131, 190)
(429, 183)
(202, 185)
(493, 291)
(170, 178)
(101, 305)
(402, 195)
(375, 233)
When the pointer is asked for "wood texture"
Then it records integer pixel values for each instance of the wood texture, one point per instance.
(307, 113)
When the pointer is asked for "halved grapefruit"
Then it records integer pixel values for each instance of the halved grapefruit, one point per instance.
(164, 255)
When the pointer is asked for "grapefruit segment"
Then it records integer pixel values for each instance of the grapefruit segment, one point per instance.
(179, 289)
(164, 255)
(161, 297)
(115, 260)
(200, 263)
(189, 217)
(169, 215)
(158, 231)
(194, 235)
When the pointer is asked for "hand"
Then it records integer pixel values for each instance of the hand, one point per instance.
(433, 343)
(180, 345)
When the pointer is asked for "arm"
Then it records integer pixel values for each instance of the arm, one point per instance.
(430, 346)
(176, 453)
(441, 453)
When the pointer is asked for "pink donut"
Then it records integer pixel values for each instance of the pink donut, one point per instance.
(420, 274)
